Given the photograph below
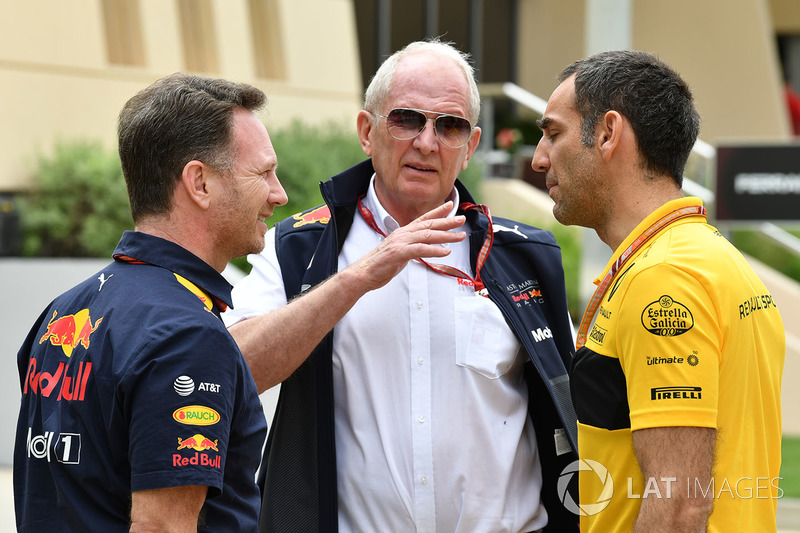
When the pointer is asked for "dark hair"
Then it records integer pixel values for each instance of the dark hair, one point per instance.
(177, 119)
(646, 91)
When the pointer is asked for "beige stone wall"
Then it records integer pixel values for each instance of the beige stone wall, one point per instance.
(786, 15)
(56, 79)
(551, 35)
(725, 49)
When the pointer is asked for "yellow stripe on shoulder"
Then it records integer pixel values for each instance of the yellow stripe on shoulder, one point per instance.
(196, 291)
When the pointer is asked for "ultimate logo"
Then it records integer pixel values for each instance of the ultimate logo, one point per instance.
(667, 318)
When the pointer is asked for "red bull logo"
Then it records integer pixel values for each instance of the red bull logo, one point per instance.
(69, 331)
(198, 442)
(321, 214)
(527, 295)
(199, 458)
(44, 383)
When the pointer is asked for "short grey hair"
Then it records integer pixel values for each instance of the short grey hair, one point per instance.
(381, 84)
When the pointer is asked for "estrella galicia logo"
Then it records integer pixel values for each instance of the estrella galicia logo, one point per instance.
(667, 318)
(587, 509)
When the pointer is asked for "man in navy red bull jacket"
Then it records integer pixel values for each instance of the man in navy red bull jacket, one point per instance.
(138, 411)
(439, 401)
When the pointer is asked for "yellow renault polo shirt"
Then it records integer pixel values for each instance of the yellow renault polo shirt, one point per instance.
(685, 335)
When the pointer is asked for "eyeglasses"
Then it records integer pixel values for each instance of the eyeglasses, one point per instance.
(404, 124)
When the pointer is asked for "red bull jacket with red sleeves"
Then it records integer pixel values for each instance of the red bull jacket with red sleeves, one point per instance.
(299, 473)
(130, 381)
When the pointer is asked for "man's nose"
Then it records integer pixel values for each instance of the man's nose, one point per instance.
(277, 193)
(427, 141)
(540, 161)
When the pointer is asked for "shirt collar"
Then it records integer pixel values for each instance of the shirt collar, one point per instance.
(383, 219)
(142, 247)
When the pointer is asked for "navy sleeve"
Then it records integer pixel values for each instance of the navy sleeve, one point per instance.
(179, 401)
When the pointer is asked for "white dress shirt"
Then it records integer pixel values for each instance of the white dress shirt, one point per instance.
(432, 427)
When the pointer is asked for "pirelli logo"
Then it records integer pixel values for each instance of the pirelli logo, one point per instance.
(676, 393)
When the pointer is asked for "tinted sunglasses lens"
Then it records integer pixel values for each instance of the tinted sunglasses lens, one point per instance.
(453, 131)
(405, 124)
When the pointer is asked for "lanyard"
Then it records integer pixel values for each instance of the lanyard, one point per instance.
(600, 292)
(480, 288)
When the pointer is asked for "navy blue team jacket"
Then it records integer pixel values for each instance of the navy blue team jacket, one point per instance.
(130, 381)
(525, 279)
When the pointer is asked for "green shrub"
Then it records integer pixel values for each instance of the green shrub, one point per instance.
(472, 177)
(78, 205)
(765, 250)
(790, 466)
(308, 155)
(569, 238)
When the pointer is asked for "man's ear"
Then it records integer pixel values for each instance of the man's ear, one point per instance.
(610, 133)
(364, 124)
(472, 144)
(195, 183)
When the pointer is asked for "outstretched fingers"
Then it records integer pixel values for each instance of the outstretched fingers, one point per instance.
(430, 230)
(421, 238)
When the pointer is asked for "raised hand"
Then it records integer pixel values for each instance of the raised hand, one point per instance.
(420, 238)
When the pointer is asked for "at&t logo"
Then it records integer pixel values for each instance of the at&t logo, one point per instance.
(586, 465)
(184, 385)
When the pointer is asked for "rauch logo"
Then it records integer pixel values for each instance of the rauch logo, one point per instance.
(196, 415)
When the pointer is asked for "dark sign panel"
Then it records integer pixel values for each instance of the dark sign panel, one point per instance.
(758, 182)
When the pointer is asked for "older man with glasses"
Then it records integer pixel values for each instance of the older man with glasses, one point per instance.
(439, 401)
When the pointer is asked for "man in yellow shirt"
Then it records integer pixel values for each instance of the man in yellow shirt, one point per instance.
(677, 379)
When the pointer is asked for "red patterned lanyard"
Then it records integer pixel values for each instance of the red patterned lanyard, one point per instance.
(600, 292)
(447, 270)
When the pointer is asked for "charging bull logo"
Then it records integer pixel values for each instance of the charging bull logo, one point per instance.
(320, 214)
(198, 442)
(69, 331)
